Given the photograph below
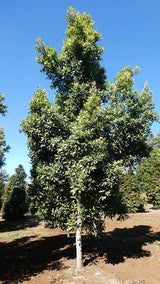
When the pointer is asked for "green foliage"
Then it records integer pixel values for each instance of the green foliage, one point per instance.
(80, 57)
(80, 145)
(3, 107)
(14, 200)
(148, 173)
(31, 195)
(3, 181)
(132, 194)
(3, 147)
(130, 115)
(18, 179)
(154, 141)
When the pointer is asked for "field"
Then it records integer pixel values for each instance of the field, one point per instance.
(128, 252)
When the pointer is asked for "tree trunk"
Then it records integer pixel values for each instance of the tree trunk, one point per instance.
(79, 242)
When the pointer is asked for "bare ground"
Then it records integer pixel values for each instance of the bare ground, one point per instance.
(128, 252)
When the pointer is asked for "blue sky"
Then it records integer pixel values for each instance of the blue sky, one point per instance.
(131, 35)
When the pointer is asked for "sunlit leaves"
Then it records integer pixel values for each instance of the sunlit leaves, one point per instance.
(80, 145)
(3, 107)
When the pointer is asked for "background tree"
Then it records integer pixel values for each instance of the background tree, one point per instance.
(3, 182)
(154, 141)
(132, 194)
(78, 147)
(14, 200)
(148, 174)
(3, 147)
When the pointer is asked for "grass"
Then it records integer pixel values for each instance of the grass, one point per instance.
(20, 234)
(16, 234)
(19, 228)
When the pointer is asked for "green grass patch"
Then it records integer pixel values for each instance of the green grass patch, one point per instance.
(16, 235)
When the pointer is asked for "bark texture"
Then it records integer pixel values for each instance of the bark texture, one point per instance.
(79, 242)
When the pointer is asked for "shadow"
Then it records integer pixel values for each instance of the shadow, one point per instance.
(19, 224)
(26, 257)
(120, 244)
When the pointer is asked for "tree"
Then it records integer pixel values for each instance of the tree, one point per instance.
(132, 194)
(148, 174)
(3, 147)
(80, 145)
(3, 181)
(154, 141)
(14, 200)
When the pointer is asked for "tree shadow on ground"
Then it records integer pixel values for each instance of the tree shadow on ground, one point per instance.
(120, 244)
(26, 257)
(19, 224)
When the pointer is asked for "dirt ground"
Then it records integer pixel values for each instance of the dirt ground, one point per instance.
(128, 252)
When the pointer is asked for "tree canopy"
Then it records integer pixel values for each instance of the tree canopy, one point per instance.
(14, 199)
(148, 175)
(80, 145)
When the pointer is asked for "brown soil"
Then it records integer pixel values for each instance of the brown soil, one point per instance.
(128, 252)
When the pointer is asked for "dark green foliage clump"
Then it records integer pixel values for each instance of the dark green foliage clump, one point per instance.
(148, 174)
(3, 181)
(14, 201)
(32, 195)
(132, 194)
(14, 205)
